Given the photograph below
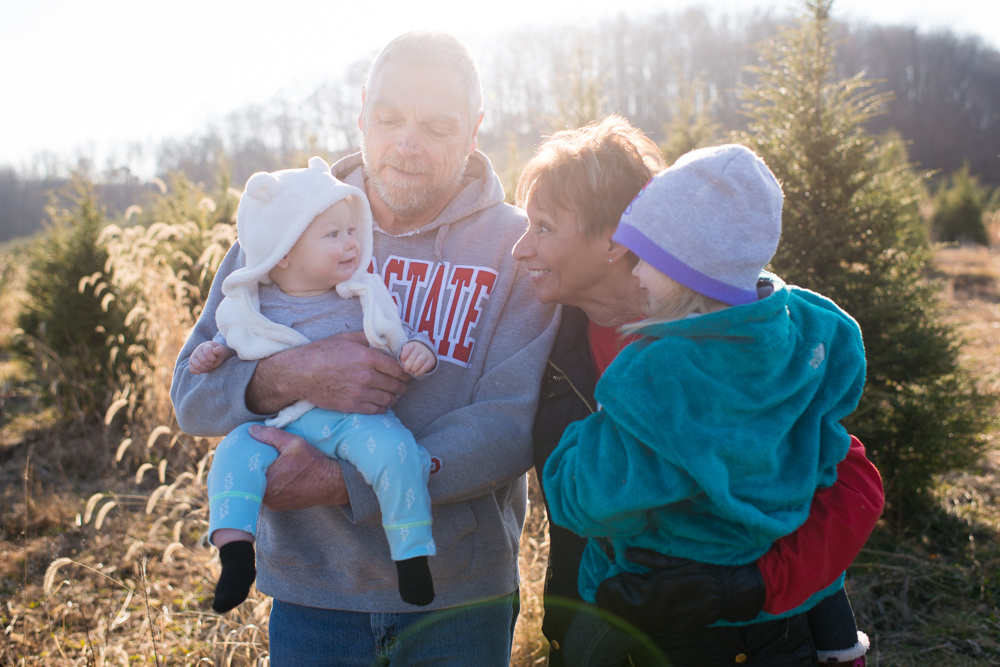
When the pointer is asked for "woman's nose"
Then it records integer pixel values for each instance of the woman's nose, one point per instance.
(523, 248)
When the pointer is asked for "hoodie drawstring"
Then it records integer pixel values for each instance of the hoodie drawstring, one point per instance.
(439, 241)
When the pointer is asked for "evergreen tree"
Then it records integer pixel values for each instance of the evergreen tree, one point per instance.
(73, 321)
(958, 210)
(691, 124)
(852, 231)
(580, 96)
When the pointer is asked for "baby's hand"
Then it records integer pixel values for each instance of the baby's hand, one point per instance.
(417, 358)
(207, 357)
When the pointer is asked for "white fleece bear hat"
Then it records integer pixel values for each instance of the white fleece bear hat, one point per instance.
(275, 209)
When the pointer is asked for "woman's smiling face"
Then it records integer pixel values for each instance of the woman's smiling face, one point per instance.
(565, 265)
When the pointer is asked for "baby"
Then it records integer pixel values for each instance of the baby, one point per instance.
(307, 238)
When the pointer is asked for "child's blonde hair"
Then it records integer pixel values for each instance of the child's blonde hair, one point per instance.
(679, 302)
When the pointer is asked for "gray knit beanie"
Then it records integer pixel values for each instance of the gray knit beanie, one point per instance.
(711, 222)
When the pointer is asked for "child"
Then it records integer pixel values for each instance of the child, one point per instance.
(307, 238)
(719, 424)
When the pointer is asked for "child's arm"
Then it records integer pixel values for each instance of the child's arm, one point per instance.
(208, 356)
(601, 481)
(416, 358)
(798, 565)
(840, 520)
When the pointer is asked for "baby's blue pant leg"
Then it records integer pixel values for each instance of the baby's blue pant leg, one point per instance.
(236, 481)
(387, 456)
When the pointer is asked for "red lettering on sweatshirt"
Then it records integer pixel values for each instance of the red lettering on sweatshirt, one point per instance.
(461, 277)
(432, 299)
(416, 274)
(485, 280)
(444, 300)
(393, 270)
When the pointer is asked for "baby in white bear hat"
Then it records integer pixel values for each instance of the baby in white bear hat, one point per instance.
(307, 238)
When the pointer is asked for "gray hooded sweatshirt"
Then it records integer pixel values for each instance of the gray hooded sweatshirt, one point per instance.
(455, 279)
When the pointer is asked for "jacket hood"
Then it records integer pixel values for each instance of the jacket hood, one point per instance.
(747, 401)
(482, 188)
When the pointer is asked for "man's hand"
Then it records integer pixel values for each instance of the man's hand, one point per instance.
(677, 593)
(301, 476)
(337, 373)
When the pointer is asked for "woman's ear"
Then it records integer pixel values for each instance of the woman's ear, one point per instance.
(616, 251)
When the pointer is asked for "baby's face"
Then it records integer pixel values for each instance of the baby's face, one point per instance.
(326, 254)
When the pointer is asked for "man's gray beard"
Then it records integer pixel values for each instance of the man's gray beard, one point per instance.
(404, 199)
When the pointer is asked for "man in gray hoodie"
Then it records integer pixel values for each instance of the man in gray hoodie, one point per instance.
(442, 244)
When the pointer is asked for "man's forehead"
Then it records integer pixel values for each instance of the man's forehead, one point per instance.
(434, 89)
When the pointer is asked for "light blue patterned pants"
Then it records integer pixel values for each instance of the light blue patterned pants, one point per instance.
(379, 446)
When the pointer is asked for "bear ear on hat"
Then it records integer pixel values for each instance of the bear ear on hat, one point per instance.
(316, 162)
(263, 186)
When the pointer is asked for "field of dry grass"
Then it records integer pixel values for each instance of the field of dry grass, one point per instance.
(113, 569)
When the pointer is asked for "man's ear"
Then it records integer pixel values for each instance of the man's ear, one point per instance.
(361, 124)
(474, 142)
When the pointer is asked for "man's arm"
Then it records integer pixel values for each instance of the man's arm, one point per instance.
(339, 373)
(487, 444)
(213, 404)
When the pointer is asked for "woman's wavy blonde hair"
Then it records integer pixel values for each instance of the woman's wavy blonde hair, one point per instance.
(594, 171)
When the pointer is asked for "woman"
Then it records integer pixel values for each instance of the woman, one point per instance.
(575, 189)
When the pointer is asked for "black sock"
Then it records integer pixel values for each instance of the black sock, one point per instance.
(415, 583)
(238, 574)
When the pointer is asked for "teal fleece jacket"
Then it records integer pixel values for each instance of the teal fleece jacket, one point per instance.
(714, 434)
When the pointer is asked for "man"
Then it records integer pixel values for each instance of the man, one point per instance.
(442, 244)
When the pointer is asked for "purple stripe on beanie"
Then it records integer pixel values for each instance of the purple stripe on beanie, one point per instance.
(666, 263)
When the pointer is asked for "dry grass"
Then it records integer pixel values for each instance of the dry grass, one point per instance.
(116, 570)
(108, 570)
(933, 596)
(124, 576)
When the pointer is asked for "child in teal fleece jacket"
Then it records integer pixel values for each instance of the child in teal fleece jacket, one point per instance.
(718, 425)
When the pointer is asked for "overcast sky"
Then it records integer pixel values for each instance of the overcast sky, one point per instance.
(87, 76)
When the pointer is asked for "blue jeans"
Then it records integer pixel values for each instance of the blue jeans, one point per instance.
(476, 635)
